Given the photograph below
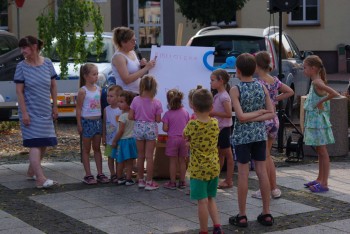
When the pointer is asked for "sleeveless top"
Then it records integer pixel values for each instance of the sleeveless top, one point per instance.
(251, 98)
(112, 118)
(132, 66)
(318, 128)
(92, 103)
(272, 88)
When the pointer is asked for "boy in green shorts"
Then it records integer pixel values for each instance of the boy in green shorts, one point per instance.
(202, 135)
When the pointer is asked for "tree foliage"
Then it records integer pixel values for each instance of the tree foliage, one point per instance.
(72, 17)
(206, 11)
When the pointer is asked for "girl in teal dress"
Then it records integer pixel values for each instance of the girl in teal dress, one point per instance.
(318, 131)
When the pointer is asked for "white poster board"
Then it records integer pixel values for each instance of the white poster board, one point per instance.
(180, 67)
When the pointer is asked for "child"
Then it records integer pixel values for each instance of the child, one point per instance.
(318, 130)
(110, 127)
(174, 122)
(202, 134)
(88, 113)
(274, 86)
(223, 113)
(124, 140)
(146, 111)
(252, 106)
(190, 94)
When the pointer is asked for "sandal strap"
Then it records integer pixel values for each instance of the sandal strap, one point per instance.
(262, 218)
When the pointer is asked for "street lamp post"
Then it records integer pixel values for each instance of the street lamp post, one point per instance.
(19, 4)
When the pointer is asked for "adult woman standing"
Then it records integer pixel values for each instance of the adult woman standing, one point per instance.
(125, 64)
(35, 83)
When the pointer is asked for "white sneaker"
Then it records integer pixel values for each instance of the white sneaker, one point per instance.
(276, 193)
(257, 194)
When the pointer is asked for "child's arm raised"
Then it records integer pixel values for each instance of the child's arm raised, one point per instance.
(322, 87)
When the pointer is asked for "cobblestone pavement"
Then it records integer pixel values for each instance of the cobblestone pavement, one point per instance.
(73, 207)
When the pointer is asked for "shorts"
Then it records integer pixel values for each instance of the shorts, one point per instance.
(201, 189)
(272, 126)
(126, 149)
(254, 150)
(91, 127)
(176, 146)
(224, 138)
(108, 151)
(145, 130)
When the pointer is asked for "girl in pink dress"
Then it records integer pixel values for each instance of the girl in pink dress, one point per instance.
(174, 122)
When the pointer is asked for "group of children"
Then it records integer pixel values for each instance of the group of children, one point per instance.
(130, 129)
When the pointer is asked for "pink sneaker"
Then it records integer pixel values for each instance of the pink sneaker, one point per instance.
(170, 185)
(142, 183)
(151, 185)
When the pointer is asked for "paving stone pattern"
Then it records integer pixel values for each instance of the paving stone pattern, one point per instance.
(73, 207)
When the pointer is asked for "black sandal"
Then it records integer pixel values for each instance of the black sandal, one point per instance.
(262, 219)
(236, 221)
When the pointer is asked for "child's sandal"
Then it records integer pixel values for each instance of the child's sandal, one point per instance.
(114, 179)
(90, 180)
(262, 219)
(236, 221)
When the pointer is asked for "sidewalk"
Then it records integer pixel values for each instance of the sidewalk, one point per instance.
(73, 207)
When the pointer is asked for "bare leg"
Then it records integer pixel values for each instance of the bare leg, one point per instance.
(182, 161)
(86, 155)
(96, 142)
(129, 165)
(203, 214)
(213, 211)
(111, 165)
(120, 169)
(35, 164)
(149, 152)
(30, 171)
(260, 167)
(323, 157)
(172, 168)
(242, 188)
(270, 165)
(141, 158)
(227, 153)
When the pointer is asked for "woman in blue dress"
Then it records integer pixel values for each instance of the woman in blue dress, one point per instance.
(35, 86)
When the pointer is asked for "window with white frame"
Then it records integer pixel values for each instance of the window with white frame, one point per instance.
(308, 13)
(145, 17)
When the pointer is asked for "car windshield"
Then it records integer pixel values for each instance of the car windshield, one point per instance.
(104, 57)
(226, 46)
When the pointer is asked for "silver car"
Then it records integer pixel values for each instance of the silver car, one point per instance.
(235, 41)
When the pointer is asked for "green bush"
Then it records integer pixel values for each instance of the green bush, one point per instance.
(6, 126)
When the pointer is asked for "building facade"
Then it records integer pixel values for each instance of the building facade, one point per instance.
(318, 25)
